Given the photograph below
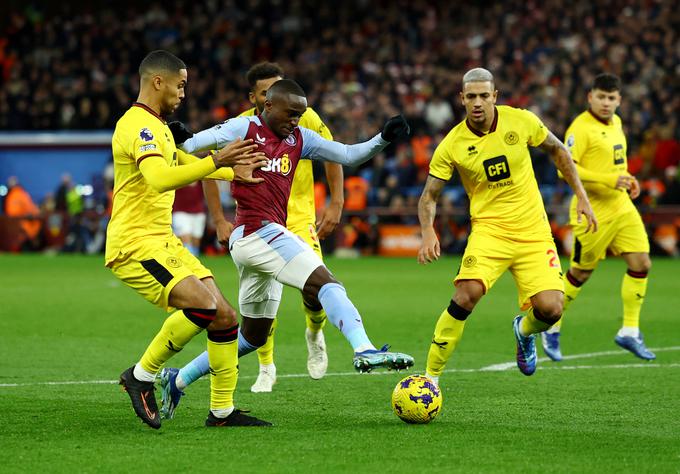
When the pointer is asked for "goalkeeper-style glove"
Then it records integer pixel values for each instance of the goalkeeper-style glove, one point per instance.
(395, 128)
(180, 133)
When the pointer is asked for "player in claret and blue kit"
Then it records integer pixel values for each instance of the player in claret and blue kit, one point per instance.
(267, 255)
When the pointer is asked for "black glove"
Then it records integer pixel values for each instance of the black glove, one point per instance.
(394, 128)
(180, 132)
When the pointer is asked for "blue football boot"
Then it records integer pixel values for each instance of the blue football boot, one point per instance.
(636, 345)
(526, 349)
(170, 394)
(551, 345)
(371, 359)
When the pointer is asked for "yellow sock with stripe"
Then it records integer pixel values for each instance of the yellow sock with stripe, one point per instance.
(572, 287)
(315, 317)
(447, 333)
(178, 329)
(223, 358)
(530, 324)
(265, 353)
(633, 291)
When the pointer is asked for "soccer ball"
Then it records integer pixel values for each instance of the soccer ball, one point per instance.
(416, 399)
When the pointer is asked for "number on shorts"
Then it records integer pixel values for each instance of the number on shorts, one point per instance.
(553, 259)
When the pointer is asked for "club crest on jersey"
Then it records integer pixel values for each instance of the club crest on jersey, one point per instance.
(290, 140)
(145, 134)
(279, 165)
(511, 138)
(570, 141)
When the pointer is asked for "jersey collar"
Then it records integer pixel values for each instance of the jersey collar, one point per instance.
(150, 110)
(491, 129)
(598, 118)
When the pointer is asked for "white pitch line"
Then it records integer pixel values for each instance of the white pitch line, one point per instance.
(509, 365)
(490, 368)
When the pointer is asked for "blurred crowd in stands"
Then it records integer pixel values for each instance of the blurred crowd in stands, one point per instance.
(360, 62)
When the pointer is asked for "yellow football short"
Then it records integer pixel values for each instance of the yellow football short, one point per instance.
(154, 269)
(306, 231)
(535, 265)
(623, 234)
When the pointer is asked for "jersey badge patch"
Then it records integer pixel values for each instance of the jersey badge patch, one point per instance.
(511, 138)
(470, 261)
(570, 141)
(145, 134)
(290, 140)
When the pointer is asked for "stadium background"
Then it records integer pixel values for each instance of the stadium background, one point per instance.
(68, 71)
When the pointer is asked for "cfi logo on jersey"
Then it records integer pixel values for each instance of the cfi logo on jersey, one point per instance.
(279, 165)
(145, 134)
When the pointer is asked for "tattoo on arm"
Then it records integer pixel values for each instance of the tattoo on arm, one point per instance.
(560, 155)
(427, 205)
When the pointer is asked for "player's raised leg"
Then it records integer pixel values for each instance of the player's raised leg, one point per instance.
(450, 326)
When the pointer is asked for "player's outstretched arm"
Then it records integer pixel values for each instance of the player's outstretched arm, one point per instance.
(427, 210)
(559, 153)
(318, 148)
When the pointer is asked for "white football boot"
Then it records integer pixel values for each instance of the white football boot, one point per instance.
(317, 360)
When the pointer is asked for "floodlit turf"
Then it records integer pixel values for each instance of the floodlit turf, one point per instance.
(67, 319)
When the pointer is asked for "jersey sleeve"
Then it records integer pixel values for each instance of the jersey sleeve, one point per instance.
(217, 136)
(576, 140)
(226, 173)
(146, 142)
(315, 147)
(536, 131)
(442, 165)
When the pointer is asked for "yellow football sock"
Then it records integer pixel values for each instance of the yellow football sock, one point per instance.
(176, 331)
(223, 358)
(572, 287)
(265, 353)
(316, 320)
(633, 290)
(531, 325)
(447, 334)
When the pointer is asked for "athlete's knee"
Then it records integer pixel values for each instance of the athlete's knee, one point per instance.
(642, 264)
(256, 331)
(549, 312)
(578, 277)
(468, 295)
(311, 302)
(319, 277)
(226, 316)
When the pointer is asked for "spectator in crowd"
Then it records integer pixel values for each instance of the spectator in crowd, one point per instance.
(18, 204)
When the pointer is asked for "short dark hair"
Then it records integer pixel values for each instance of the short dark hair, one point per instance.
(285, 86)
(607, 82)
(265, 70)
(160, 61)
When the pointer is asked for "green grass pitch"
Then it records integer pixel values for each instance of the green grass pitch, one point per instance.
(67, 319)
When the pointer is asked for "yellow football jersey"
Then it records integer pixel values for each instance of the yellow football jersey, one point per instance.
(139, 212)
(301, 209)
(600, 147)
(496, 172)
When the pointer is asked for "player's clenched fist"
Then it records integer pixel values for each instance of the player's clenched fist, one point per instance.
(238, 152)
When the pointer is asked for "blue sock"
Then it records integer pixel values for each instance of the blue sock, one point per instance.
(195, 369)
(244, 347)
(344, 316)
